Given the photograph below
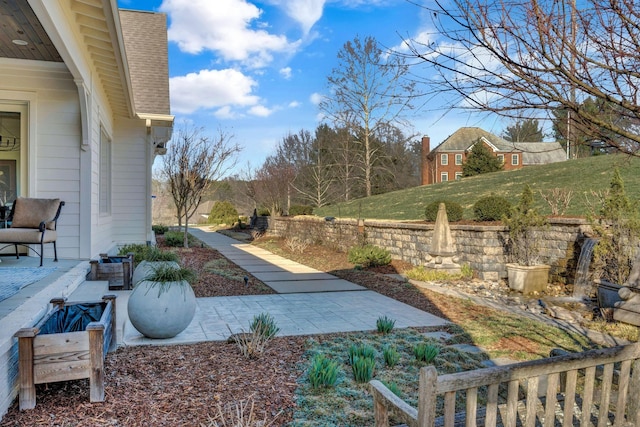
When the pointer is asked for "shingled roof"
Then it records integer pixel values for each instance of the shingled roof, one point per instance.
(145, 40)
(533, 153)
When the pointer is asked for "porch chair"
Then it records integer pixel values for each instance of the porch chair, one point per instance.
(33, 222)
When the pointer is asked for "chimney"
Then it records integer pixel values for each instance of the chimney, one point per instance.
(424, 166)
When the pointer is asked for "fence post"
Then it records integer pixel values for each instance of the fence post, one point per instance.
(25, 337)
(96, 361)
(427, 396)
(634, 394)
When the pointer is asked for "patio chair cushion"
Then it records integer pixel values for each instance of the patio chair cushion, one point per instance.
(27, 235)
(29, 213)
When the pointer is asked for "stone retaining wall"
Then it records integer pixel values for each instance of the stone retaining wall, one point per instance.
(480, 246)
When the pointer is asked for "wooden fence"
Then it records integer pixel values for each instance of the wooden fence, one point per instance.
(596, 387)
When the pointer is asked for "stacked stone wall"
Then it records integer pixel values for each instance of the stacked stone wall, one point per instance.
(480, 246)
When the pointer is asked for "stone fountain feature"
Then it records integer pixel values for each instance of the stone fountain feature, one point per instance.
(442, 251)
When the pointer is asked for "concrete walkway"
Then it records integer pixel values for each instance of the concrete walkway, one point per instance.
(280, 274)
(309, 301)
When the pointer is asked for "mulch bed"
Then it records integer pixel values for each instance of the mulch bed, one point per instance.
(183, 385)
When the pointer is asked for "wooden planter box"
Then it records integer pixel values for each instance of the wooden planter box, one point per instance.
(118, 270)
(48, 353)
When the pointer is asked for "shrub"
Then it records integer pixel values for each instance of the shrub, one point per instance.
(363, 368)
(263, 212)
(454, 210)
(385, 324)
(491, 208)
(426, 352)
(524, 221)
(300, 210)
(142, 252)
(176, 238)
(618, 232)
(159, 229)
(223, 212)
(369, 256)
(391, 356)
(362, 350)
(323, 372)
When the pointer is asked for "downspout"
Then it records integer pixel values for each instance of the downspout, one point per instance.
(150, 156)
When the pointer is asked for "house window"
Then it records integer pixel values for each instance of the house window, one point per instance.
(444, 176)
(458, 159)
(105, 173)
(501, 158)
(444, 159)
(514, 160)
(458, 175)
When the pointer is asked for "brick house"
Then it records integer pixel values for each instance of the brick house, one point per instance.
(444, 163)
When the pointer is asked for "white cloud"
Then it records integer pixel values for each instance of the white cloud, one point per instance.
(294, 104)
(226, 113)
(210, 89)
(224, 27)
(305, 12)
(316, 98)
(286, 72)
(260, 111)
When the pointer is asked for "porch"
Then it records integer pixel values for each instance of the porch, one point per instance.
(28, 305)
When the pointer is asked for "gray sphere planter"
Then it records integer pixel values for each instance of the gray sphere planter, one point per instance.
(161, 309)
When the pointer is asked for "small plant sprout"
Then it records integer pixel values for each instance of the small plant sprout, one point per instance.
(385, 324)
(323, 372)
(391, 356)
(362, 350)
(426, 352)
(393, 388)
(363, 368)
(264, 324)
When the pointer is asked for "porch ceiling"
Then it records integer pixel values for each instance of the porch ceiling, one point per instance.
(93, 21)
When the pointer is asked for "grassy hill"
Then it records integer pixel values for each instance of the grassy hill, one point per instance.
(582, 176)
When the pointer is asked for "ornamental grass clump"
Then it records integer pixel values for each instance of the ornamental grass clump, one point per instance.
(390, 355)
(264, 324)
(385, 325)
(363, 368)
(426, 352)
(323, 372)
(362, 350)
(252, 344)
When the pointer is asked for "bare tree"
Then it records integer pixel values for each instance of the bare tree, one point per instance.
(192, 163)
(369, 90)
(513, 57)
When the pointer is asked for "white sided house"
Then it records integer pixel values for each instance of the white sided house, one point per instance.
(84, 110)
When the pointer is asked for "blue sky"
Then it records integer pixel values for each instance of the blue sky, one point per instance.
(256, 69)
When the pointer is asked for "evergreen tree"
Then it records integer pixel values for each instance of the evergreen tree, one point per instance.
(527, 130)
(480, 160)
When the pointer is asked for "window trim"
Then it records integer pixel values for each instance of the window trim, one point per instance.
(458, 159)
(515, 160)
(444, 176)
(458, 176)
(501, 158)
(444, 159)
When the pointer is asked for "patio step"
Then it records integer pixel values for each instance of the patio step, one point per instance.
(90, 290)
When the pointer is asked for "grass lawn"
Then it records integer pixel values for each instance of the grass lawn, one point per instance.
(581, 176)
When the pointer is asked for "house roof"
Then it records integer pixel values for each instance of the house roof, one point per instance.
(145, 41)
(541, 153)
(533, 153)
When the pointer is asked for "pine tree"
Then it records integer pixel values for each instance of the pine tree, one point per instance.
(480, 160)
